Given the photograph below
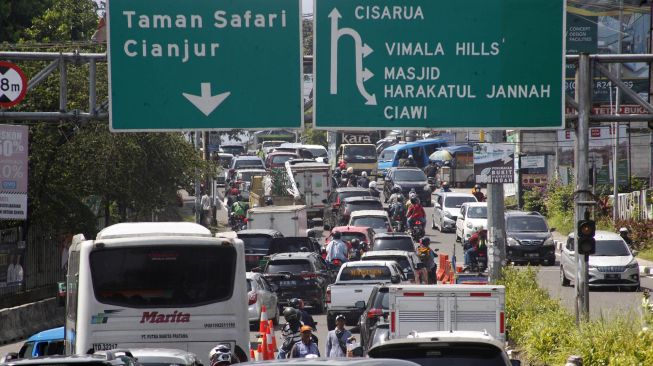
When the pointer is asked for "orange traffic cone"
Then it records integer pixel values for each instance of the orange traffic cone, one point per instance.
(264, 320)
(273, 344)
(259, 352)
(270, 349)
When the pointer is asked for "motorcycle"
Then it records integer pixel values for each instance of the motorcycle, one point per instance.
(417, 229)
(397, 223)
(431, 183)
(335, 264)
(237, 222)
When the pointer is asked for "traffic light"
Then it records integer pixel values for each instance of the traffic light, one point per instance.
(585, 232)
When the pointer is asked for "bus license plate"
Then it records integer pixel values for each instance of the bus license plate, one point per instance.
(104, 346)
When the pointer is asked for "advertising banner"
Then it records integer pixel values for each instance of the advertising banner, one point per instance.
(494, 163)
(13, 172)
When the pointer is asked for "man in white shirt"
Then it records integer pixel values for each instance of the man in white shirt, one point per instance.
(337, 249)
(205, 202)
(14, 271)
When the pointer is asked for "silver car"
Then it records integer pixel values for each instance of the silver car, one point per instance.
(613, 264)
(165, 356)
(259, 293)
(447, 208)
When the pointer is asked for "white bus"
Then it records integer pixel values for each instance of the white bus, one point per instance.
(163, 285)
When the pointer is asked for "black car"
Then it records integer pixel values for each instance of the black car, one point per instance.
(408, 179)
(336, 198)
(529, 238)
(393, 241)
(257, 245)
(301, 275)
(353, 204)
(376, 311)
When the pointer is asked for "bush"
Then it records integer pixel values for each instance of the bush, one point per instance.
(546, 333)
(559, 204)
(640, 231)
(534, 200)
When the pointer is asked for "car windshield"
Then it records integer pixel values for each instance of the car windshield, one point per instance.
(611, 248)
(365, 273)
(375, 222)
(401, 260)
(348, 194)
(360, 153)
(394, 243)
(258, 243)
(247, 176)
(450, 354)
(234, 150)
(364, 205)
(409, 176)
(526, 224)
(457, 202)
(281, 159)
(479, 212)
(254, 163)
(163, 276)
(317, 153)
(292, 266)
(387, 156)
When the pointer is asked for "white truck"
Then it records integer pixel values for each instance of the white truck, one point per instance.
(288, 220)
(426, 308)
(353, 286)
(310, 182)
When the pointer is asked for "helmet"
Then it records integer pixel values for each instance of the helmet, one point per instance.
(445, 183)
(364, 174)
(372, 185)
(410, 157)
(355, 243)
(336, 235)
(400, 199)
(396, 189)
(268, 201)
(291, 315)
(414, 200)
(295, 303)
(412, 195)
(478, 187)
(221, 355)
(350, 170)
(337, 170)
(425, 241)
(623, 230)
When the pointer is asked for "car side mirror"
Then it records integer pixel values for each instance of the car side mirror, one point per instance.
(552, 229)
(360, 304)
(395, 279)
(419, 265)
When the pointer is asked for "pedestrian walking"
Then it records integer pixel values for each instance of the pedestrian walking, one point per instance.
(337, 339)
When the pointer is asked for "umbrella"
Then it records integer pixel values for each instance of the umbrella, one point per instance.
(441, 155)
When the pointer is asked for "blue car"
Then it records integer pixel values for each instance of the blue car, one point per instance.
(46, 343)
(420, 150)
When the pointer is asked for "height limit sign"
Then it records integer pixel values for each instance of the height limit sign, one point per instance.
(13, 84)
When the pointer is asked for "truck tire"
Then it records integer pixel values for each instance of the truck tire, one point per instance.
(331, 321)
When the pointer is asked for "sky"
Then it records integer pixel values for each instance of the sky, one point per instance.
(307, 6)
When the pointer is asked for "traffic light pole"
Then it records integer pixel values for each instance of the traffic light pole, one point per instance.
(496, 225)
(582, 194)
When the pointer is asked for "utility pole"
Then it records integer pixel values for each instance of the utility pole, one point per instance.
(582, 194)
(615, 125)
(496, 223)
(198, 194)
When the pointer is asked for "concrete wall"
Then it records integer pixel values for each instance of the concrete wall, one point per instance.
(22, 321)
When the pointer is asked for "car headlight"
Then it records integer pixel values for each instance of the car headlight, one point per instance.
(549, 242)
(632, 264)
(469, 225)
(512, 242)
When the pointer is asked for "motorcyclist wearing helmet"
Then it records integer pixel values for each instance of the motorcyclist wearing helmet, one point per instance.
(398, 212)
(336, 177)
(239, 207)
(623, 232)
(410, 162)
(416, 212)
(431, 170)
(373, 191)
(290, 333)
(357, 250)
(444, 187)
(305, 317)
(480, 197)
(475, 243)
(363, 181)
(396, 192)
(352, 179)
(222, 355)
(344, 179)
(427, 256)
(409, 202)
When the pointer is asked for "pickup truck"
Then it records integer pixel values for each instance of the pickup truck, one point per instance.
(353, 286)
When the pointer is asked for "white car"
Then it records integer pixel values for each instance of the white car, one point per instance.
(473, 216)
(259, 293)
(613, 263)
(378, 220)
(164, 356)
(409, 262)
(447, 208)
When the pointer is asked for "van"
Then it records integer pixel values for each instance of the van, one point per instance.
(46, 343)
(361, 157)
(420, 150)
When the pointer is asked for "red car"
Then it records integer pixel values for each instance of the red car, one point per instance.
(278, 159)
(364, 234)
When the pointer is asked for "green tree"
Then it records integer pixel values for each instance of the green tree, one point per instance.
(16, 16)
(65, 21)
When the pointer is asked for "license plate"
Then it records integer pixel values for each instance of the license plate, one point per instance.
(613, 276)
(288, 283)
(532, 255)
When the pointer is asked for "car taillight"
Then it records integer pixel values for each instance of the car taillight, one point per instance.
(392, 322)
(251, 297)
(328, 295)
(418, 222)
(502, 323)
(374, 313)
(336, 262)
(308, 276)
(251, 258)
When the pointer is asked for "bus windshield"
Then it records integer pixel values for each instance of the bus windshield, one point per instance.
(169, 276)
(360, 153)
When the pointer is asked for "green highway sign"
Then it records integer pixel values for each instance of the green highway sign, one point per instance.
(204, 64)
(436, 64)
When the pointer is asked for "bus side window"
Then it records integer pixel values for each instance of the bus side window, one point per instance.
(418, 155)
